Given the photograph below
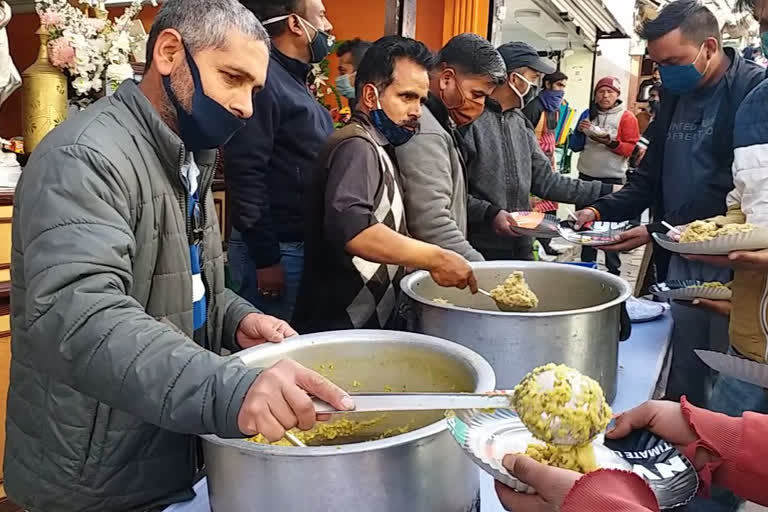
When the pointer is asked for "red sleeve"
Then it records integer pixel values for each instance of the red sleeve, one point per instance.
(628, 135)
(610, 489)
(740, 445)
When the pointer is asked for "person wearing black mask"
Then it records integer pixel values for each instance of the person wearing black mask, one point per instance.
(266, 163)
(358, 246)
(120, 308)
(432, 164)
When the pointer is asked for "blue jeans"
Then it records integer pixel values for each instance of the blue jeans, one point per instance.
(243, 274)
(732, 397)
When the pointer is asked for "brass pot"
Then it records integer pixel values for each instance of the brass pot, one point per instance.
(44, 96)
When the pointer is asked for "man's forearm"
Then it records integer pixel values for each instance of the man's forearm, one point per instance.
(381, 244)
(263, 246)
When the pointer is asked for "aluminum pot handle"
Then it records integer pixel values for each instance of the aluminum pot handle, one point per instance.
(625, 323)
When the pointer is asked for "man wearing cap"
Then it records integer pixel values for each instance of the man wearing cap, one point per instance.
(606, 136)
(506, 163)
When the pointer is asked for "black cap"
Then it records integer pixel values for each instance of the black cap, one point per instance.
(518, 55)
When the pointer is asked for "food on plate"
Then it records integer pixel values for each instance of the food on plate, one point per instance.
(709, 285)
(575, 458)
(704, 231)
(515, 293)
(438, 300)
(559, 405)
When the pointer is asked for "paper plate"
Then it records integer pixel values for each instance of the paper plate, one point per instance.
(487, 437)
(596, 235)
(535, 224)
(644, 310)
(690, 290)
(668, 472)
(754, 240)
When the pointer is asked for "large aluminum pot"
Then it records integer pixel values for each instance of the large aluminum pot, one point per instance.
(422, 470)
(578, 321)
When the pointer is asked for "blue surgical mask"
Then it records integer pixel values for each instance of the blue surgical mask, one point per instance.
(208, 125)
(681, 80)
(344, 86)
(396, 135)
(764, 43)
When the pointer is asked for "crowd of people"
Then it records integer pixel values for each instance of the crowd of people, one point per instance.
(120, 310)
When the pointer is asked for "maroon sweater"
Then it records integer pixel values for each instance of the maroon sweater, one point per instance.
(738, 445)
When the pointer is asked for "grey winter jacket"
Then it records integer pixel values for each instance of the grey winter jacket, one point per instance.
(506, 165)
(107, 387)
(434, 183)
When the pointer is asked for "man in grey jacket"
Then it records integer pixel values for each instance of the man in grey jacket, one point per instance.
(506, 163)
(119, 304)
(431, 163)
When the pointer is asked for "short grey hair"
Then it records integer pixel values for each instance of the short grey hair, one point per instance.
(204, 24)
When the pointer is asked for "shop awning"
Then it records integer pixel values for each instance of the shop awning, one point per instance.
(591, 18)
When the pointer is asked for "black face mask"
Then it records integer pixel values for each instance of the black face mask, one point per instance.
(208, 125)
(396, 135)
(320, 45)
(654, 106)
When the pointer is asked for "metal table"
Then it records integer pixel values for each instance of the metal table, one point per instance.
(641, 359)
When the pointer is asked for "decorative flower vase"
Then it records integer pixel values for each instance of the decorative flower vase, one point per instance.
(44, 96)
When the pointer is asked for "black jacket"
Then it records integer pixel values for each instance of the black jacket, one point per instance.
(643, 189)
(506, 164)
(268, 162)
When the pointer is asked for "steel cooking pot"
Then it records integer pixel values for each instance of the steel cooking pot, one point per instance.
(578, 321)
(423, 469)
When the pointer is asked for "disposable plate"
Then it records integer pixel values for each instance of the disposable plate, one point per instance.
(754, 240)
(690, 290)
(595, 235)
(535, 224)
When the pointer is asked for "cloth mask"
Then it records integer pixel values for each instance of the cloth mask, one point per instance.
(344, 86)
(396, 135)
(529, 94)
(683, 79)
(208, 125)
(467, 111)
(551, 100)
(320, 46)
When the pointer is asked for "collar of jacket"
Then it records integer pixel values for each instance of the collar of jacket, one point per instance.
(437, 107)
(299, 70)
(159, 135)
(365, 121)
(618, 107)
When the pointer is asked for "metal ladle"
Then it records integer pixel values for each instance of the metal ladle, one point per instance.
(506, 308)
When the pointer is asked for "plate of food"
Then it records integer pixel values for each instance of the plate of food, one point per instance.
(708, 238)
(535, 224)
(595, 234)
(559, 419)
(691, 290)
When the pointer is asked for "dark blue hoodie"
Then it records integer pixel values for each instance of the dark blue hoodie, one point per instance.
(266, 163)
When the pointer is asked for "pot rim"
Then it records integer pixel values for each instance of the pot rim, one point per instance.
(486, 381)
(407, 283)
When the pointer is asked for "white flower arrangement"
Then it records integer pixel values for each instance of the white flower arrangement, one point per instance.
(91, 51)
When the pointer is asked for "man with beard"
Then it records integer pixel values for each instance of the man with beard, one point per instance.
(358, 248)
(432, 164)
(119, 304)
(269, 161)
